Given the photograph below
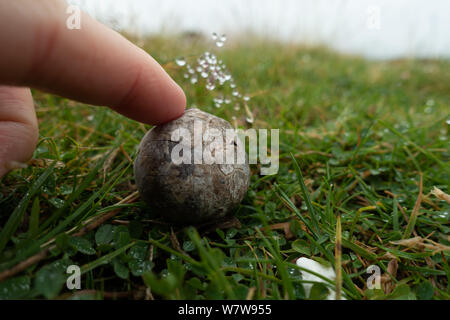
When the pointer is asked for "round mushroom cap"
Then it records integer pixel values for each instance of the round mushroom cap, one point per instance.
(191, 192)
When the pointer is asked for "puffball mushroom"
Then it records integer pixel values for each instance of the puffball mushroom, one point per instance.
(175, 175)
(327, 272)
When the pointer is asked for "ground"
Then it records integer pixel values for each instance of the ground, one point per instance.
(361, 142)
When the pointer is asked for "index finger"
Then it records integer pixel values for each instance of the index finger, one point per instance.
(93, 64)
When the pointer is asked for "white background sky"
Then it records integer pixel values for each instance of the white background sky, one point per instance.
(419, 28)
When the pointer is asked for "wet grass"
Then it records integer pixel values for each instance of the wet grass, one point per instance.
(362, 141)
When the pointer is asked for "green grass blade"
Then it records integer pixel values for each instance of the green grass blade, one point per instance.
(306, 197)
(210, 263)
(34, 218)
(281, 266)
(443, 165)
(86, 182)
(105, 259)
(288, 201)
(14, 220)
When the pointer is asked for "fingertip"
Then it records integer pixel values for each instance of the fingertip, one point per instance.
(176, 104)
(155, 98)
(171, 102)
(164, 98)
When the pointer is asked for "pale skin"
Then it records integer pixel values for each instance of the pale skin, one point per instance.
(94, 65)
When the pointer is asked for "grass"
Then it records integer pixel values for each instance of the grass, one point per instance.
(363, 141)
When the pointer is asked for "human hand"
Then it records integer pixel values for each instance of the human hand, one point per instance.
(93, 65)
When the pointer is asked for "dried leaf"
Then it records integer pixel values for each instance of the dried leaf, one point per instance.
(386, 279)
(421, 244)
(410, 243)
(438, 193)
(285, 227)
(387, 256)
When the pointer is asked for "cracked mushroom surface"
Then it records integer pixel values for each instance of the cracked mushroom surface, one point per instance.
(190, 193)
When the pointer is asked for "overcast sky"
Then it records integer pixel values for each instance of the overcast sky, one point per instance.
(373, 28)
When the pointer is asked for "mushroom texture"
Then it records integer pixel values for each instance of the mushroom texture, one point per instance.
(190, 192)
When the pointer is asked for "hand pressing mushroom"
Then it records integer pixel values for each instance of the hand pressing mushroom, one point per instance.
(195, 190)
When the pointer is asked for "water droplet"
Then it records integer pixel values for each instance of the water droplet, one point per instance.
(214, 36)
(443, 214)
(180, 61)
(223, 38)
